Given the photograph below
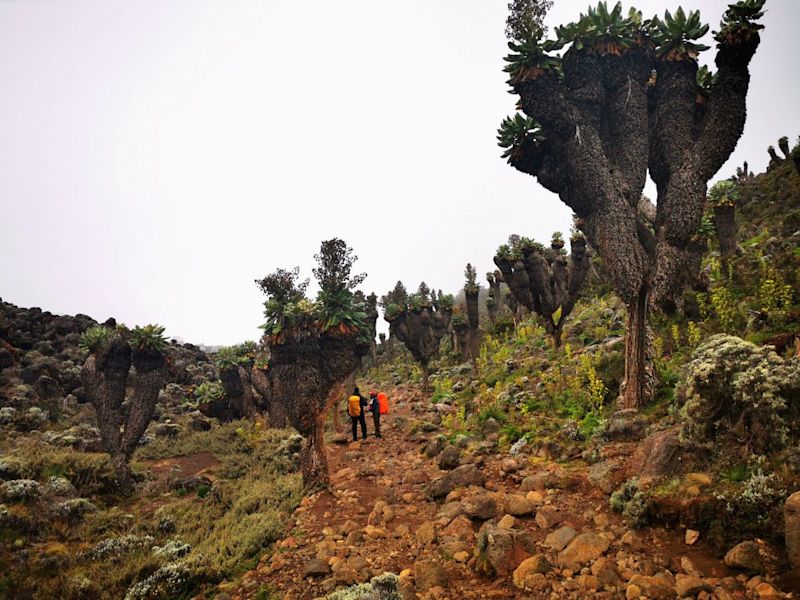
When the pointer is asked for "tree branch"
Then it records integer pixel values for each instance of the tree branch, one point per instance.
(727, 104)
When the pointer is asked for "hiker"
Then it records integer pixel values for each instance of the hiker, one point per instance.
(355, 408)
(375, 407)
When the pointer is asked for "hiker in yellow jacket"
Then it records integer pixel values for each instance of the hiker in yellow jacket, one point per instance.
(356, 408)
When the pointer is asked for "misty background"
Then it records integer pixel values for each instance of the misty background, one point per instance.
(158, 156)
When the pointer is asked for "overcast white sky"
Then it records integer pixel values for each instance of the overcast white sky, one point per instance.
(157, 156)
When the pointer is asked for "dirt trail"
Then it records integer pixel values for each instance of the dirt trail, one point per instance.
(338, 539)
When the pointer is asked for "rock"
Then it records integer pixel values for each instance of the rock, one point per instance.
(528, 567)
(606, 475)
(560, 538)
(501, 551)
(654, 588)
(663, 454)
(449, 458)
(691, 537)
(374, 532)
(791, 518)
(689, 585)
(519, 506)
(462, 476)
(461, 556)
(491, 426)
(426, 533)
(316, 568)
(429, 574)
(626, 425)
(606, 571)
(538, 482)
(546, 518)
(480, 506)
(509, 465)
(435, 446)
(584, 549)
(745, 556)
(507, 522)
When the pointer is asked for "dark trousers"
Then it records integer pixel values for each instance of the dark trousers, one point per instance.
(376, 420)
(356, 421)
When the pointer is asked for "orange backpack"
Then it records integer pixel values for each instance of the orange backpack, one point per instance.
(354, 406)
(383, 404)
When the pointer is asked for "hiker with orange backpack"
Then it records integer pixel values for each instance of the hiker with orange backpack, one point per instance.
(379, 405)
(374, 407)
(355, 408)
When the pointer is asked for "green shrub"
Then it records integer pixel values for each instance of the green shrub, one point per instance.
(632, 502)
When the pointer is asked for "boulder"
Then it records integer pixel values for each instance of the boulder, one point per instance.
(501, 550)
(690, 586)
(523, 574)
(606, 475)
(481, 506)
(626, 425)
(449, 458)
(745, 556)
(560, 538)
(462, 476)
(519, 506)
(582, 550)
(655, 588)
(791, 517)
(316, 568)
(429, 574)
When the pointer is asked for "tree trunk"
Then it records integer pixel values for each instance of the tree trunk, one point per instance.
(313, 462)
(122, 469)
(725, 225)
(639, 385)
(556, 335)
(425, 375)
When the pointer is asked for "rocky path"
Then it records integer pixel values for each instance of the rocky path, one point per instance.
(456, 522)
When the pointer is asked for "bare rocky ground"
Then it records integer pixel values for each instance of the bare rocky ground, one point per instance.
(461, 521)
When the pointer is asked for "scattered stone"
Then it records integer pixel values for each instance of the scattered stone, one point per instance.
(501, 550)
(529, 567)
(462, 476)
(626, 425)
(745, 556)
(606, 475)
(519, 506)
(316, 568)
(655, 588)
(560, 538)
(426, 534)
(584, 549)
(791, 517)
(449, 458)
(507, 522)
(691, 537)
(688, 585)
(546, 518)
(429, 574)
(481, 506)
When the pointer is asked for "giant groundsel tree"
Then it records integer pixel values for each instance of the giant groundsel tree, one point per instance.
(418, 320)
(627, 98)
(314, 346)
(545, 280)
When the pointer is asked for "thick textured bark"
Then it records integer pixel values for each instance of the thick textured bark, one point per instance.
(313, 462)
(603, 127)
(104, 376)
(238, 393)
(473, 320)
(304, 372)
(725, 225)
(426, 373)
(461, 331)
(639, 384)
(495, 281)
(547, 282)
(421, 330)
